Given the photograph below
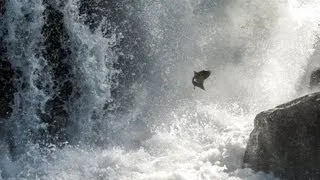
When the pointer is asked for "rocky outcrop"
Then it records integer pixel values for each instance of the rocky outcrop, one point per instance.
(286, 140)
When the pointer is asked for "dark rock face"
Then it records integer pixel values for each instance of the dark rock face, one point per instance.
(286, 140)
(6, 72)
(2, 6)
(8, 77)
(6, 87)
(58, 55)
(315, 79)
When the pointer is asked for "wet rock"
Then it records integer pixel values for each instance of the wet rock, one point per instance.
(57, 53)
(315, 79)
(286, 140)
(2, 6)
(7, 74)
(6, 87)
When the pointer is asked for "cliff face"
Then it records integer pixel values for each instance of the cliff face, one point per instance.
(286, 140)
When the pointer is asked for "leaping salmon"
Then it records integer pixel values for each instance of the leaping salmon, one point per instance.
(199, 78)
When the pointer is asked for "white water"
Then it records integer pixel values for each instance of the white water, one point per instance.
(258, 51)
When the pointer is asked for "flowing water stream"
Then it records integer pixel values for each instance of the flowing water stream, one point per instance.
(101, 89)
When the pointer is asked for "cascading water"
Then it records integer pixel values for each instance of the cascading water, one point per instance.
(102, 89)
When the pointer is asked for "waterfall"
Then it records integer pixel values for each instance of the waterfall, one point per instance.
(101, 89)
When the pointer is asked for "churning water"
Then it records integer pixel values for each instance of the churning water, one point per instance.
(102, 88)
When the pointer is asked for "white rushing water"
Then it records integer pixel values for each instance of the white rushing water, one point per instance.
(258, 52)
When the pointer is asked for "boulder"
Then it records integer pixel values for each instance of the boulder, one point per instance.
(286, 140)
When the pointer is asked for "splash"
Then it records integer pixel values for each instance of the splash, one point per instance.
(131, 111)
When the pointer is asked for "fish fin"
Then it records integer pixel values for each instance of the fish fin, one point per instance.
(201, 86)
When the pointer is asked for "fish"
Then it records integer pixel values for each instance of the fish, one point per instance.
(199, 77)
